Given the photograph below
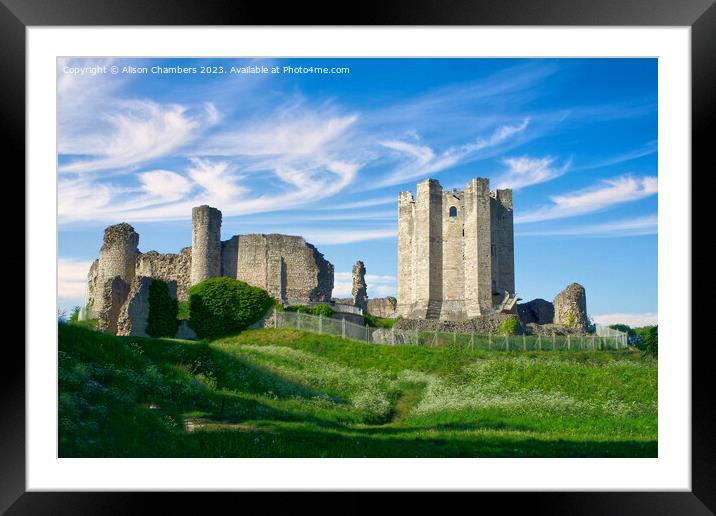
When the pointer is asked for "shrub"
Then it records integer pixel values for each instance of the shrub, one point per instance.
(509, 326)
(220, 306)
(324, 310)
(649, 336)
(183, 310)
(571, 321)
(163, 310)
(75, 316)
(378, 322)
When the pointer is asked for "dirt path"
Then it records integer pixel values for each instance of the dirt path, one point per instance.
(409, 398)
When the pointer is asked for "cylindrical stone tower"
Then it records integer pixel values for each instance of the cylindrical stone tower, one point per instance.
(205, 243)
(117, 257)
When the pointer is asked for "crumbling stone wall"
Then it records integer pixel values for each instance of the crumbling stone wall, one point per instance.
(288, 267)
(114, 294)
(117, 258)
(384, 307)
(570, 307)
(537, 311)
(359, 291)
(305, 275)
(168, 267)
(134, 313)
(483, 324)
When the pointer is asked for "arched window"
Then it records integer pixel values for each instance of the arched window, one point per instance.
(453, 211)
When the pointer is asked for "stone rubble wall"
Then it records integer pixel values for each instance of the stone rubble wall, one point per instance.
(286, 266)
(384, 307)
(114, 294)
(168, 267)
(483, 324)
(570, 306)
(117, 258)
(134, 313)
(547, 330)
(359, 291)
(305, 274)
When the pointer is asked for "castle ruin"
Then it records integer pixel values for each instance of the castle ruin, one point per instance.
(289, 268)
(455, 251)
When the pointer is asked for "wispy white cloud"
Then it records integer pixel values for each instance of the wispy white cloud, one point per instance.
(421, 160)
(646, 150)
(635, 320)
(647, 225)
(525, 171)
(164, 185)
(611, 192)
(297, 135)
(134, 132)
(344, 236)
(72, 279)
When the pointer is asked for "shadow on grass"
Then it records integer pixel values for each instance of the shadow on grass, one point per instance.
(305, 442)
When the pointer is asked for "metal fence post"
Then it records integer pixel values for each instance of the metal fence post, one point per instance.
(554, 342)
(298, 320)
(507, 341)
(320, 324)
(454, 338)
(275, 319)
(489, 341)
(569, 345)
(539, 341)
(392, 336)
(343, 327)
(366, 333)
(472, 341)
(524, 343)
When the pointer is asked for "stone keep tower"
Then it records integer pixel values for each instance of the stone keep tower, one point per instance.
(205, 243)
(455, 251)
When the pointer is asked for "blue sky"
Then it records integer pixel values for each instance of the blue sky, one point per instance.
(325, 155)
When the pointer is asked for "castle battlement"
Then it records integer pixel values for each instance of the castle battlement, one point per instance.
(455, 250)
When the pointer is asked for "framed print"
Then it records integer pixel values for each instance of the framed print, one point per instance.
(416, 250)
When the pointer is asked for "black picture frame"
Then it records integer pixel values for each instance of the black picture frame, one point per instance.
(700, 15)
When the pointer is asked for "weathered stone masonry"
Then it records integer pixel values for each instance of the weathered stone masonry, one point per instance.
(455, 251)
(288, 267)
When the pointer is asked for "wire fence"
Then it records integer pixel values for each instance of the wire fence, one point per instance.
(612, 340)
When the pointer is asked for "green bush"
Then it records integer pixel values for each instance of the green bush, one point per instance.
(649, 337)
(509, 326)
(183, 312)
(378, 322)
(163, 310)
(571, 321)
(324, 310)
(220, 306)
(75, 316)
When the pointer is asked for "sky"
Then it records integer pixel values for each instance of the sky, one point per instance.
(280, 146)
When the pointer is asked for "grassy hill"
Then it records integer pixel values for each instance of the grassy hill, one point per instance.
(285, 393)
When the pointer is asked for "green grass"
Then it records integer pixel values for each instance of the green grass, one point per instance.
(378, 322)
(286, 393)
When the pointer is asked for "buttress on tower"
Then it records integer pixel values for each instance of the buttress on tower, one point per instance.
(455, 251)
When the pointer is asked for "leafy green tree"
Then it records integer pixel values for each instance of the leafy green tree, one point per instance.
(163, 310)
